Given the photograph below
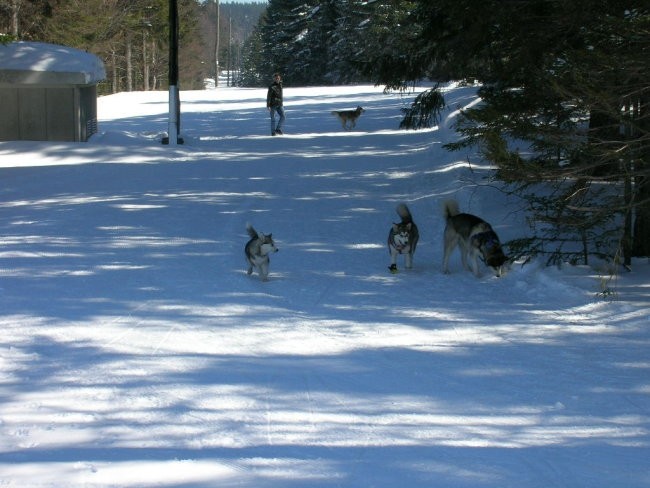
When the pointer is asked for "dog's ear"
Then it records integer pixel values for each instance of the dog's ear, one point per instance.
(395, 227)
(408, 226)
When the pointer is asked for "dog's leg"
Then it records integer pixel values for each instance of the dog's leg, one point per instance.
(393, 260)
(473, 255)
(465, 253)
(463, 257)
(393, 257)
(409, 260)
(250, 269)
(264, 271)
(450, 244)
(445, 262)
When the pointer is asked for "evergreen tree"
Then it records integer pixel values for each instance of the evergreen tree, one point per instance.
(310, 63)
(565, 79)
(564, 92)
(310, 42)
(346, 42)
(237, 22)
(282, 32)
(254, 64)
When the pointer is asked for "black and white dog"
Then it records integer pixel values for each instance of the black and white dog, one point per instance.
(403, 238)
(257, 252)
(476, 239)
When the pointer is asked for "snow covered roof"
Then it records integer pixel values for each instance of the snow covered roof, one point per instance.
(31, 63)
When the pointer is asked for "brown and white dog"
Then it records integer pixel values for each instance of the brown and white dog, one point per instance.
(476, 239)
(348, 118)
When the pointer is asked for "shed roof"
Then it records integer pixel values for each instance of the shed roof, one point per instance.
(38, 63)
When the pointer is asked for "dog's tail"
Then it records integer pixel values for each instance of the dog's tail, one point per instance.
(450, 208)
(335, 112)
(251, 232)
(404, 212)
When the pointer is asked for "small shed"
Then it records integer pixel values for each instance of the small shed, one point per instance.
(48, 92)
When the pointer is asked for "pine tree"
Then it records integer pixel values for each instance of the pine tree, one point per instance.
(282, 32)
(564, 79)
(253, 61)
(310, 42)
(347, 41)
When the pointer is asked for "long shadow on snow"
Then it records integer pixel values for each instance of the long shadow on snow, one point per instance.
(429, 418)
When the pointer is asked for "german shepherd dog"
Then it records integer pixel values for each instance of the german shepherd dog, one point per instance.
(348, 118)
(257, 252)
(403, 238)
(476, 239)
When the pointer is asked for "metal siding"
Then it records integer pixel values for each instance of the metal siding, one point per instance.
(9, 128)
(31, 114)
(60, 114)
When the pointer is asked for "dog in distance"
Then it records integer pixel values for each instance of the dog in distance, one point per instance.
(348, 118)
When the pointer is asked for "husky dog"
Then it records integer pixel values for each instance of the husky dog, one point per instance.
(348, 116)
(257, 252)
(402, 238)
(475, 237)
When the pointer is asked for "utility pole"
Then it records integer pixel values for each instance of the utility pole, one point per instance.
(229, 49)
(216, 46)
(174, 99)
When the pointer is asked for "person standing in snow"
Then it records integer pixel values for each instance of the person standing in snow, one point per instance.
(274, 104)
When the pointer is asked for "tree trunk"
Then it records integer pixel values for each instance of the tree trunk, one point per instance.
(641, 245)
(14, 18)
(216, 46)
(627, 223)
(129, 65)
(116, 84)
(603, 130)
(154, 61)
(145, 62)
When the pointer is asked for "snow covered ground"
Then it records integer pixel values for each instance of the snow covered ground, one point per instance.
(136, 352)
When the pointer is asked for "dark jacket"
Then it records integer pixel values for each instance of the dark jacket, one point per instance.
(274, 95)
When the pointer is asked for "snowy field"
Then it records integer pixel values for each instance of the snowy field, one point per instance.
(136, 352)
